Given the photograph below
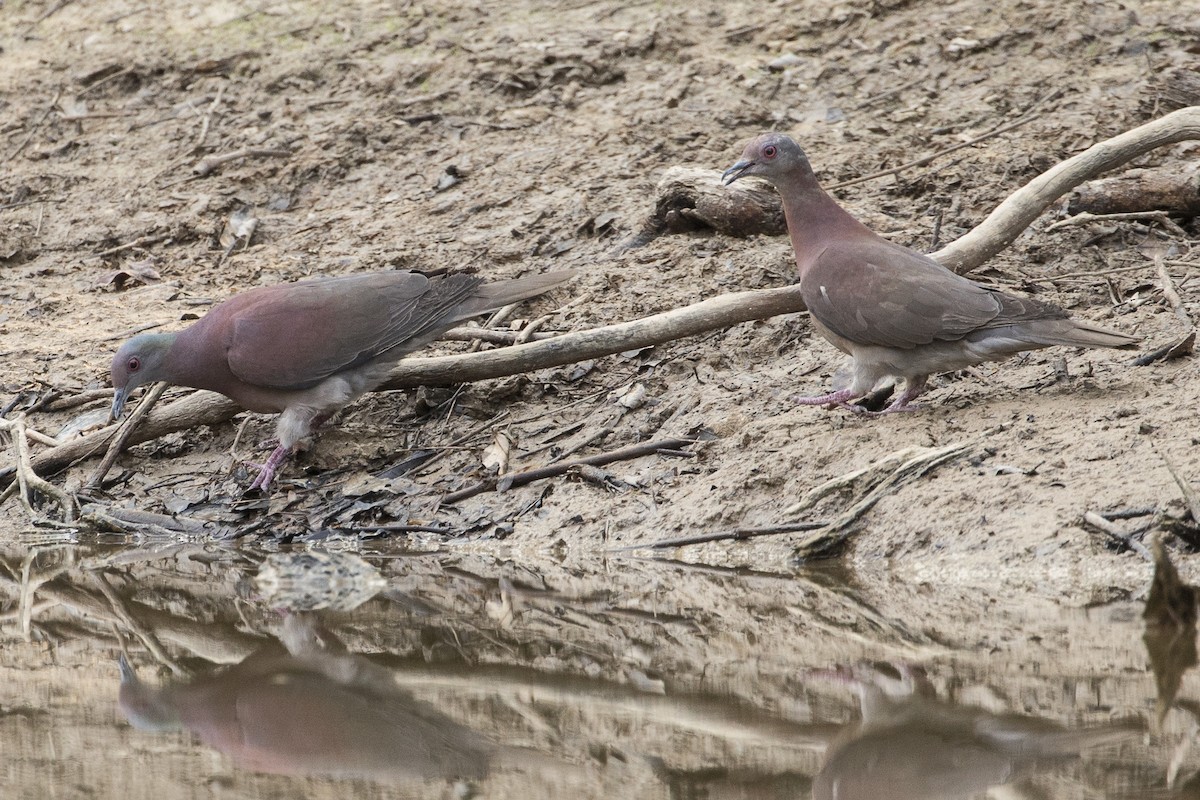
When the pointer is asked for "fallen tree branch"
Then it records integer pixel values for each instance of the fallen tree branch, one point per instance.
(1023, 206)
(209, 408)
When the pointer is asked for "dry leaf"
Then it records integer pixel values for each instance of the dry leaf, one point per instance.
(495, 457)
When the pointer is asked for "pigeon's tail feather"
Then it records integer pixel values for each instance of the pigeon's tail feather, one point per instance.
(1074, 333)
(1002, 341)
(490, 296)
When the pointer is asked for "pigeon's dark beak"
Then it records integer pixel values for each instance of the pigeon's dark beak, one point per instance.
(118, 404)
(736, 171)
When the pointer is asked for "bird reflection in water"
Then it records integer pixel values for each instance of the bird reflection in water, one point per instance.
(307, 706)
(909, 745)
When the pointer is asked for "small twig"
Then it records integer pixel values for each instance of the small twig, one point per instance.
(1178, 349)
(911, 468)
(1130, 513)
(737, 534)
(1189, 494)
(210, 164)
(875, 98)
(471, 334)
(75, 400)
(45, 15)
(123, 434)
(34, 129)
(1172, 295)
(532, 328)
(554, 470)
(595, 436)
(138, 242)
(1109, 529)
(207, 121)
(445, 450)
(1084, 217)
(27, 479)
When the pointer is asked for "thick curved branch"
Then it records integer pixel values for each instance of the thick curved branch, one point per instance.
(1023, 206)
(207, 408)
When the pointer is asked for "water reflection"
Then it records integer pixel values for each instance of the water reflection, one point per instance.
(470, 673)
(909, 745)
(304, 706)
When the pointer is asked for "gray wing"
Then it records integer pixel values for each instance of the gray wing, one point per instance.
(294, 336)
(878, 293)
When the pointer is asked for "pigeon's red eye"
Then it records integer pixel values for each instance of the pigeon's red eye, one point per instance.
(770, 151)
(134, 364)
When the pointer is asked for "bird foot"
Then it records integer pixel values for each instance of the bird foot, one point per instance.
(839, 398)
(267, 471)
(894, 408)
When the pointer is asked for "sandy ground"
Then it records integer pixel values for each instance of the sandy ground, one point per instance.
(503, 138)
(508, 138)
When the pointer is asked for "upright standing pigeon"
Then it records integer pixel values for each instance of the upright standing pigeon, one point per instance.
(895, 312)
(307, 349)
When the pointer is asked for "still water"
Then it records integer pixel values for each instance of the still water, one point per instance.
(198, 670)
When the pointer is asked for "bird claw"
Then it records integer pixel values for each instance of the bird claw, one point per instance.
(895, 408)
(832, 400)
(267, 471)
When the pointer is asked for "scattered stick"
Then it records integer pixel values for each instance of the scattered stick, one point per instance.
(210, 164)
(28, 479)
(123, 433)
(1099, 273)
(133, 520)
(199, 408)
(468, 334)
(74, 401)
(1172, 295)
(443, 530)
(1085, 217)
(138, 242)
(45, 15)
(885, 476)
(737, 534)
(554, 470)
(1112, 531)
(207, 121)
(34, 129)
(1167, 352)
(1189, 494)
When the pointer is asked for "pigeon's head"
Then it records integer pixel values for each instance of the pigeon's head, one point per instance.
(770, 156)
(141, 360)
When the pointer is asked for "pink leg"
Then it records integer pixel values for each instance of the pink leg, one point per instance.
(834, 398)
(266, 472)
(912, 388)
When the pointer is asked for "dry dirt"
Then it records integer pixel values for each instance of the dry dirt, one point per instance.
(508, 137)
